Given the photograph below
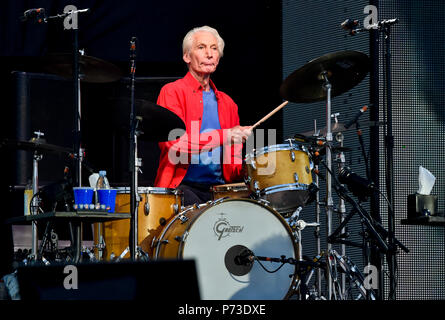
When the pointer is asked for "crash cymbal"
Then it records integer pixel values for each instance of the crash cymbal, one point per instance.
(344, 70)
(339, 127)
(37, 145)
(91, 69)
(157, 121)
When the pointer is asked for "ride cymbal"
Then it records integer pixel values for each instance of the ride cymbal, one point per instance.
(91, 69)
(344, 70)
(157, 121)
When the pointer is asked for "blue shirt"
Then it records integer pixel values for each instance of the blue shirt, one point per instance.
(205, 168)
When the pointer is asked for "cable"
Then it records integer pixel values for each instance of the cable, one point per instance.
(282, 264)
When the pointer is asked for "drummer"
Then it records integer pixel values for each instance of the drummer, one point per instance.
(209, 153)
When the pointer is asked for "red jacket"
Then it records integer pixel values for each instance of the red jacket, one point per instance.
(184, 98)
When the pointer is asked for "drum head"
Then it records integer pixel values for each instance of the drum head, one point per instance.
(233, 224)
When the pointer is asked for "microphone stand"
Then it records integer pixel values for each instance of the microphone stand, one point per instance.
(77, 111)
(134, 161)
(76, 91)
(385, 27)
(375, 230)
(389, 143)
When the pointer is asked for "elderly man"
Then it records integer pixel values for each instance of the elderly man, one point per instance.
(209, 153)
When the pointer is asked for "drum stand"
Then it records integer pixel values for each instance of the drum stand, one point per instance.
(35, 200)
(297, 225)
(341, 160)
(329, 202)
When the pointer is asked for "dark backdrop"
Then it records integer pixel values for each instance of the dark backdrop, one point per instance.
(250, 71)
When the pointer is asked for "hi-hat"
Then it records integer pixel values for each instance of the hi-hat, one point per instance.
(91, 69)
(157, 121)
(344, 70)
(36, 145)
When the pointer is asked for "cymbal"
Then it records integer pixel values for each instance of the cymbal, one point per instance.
(339, 127)
(91, 69)
(39, 146)
(157, 121)
(344, 70)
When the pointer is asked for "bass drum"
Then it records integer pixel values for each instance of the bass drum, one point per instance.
(215, 234)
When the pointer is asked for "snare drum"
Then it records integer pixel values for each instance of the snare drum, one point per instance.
(233, 190)
(280, 174)
(156, 208)
(213, 234)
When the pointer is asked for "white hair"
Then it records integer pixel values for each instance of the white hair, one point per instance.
(188, 39)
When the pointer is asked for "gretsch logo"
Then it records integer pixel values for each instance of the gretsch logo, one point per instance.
(222, 228)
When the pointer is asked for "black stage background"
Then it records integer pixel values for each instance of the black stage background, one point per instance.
(265, 41)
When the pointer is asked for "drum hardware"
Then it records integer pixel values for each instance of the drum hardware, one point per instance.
(321, 79)
(264, 201)
(175, 208)
(297, 225)
(183, 218)
(90, 254)
(163, 221)
(341, 161)
(294, 217)
(375, 232)
(353, 273)
(101, 245)
(123, 254)
(154, 242)
(140, 254)
(146, 208)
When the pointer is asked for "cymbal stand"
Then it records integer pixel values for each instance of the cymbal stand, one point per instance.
(317, 214)
(341, 161)
(329, 202)
(35, 200)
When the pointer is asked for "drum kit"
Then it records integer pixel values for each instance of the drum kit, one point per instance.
(246, 241)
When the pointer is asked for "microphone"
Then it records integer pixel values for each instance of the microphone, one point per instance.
(244, 258)
(133, 55)
(388, 22)
(32, 13)
(349, 24)
(239, 260)
(355, 118)
(359, 186)
(133, 47)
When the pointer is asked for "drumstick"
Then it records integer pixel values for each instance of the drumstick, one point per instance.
(270, 114)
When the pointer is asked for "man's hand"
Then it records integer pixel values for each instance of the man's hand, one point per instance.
(238, 134)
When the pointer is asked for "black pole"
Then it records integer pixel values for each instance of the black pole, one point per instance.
(389, 143)
(377, 259)
(76, 96)
(132, 164)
